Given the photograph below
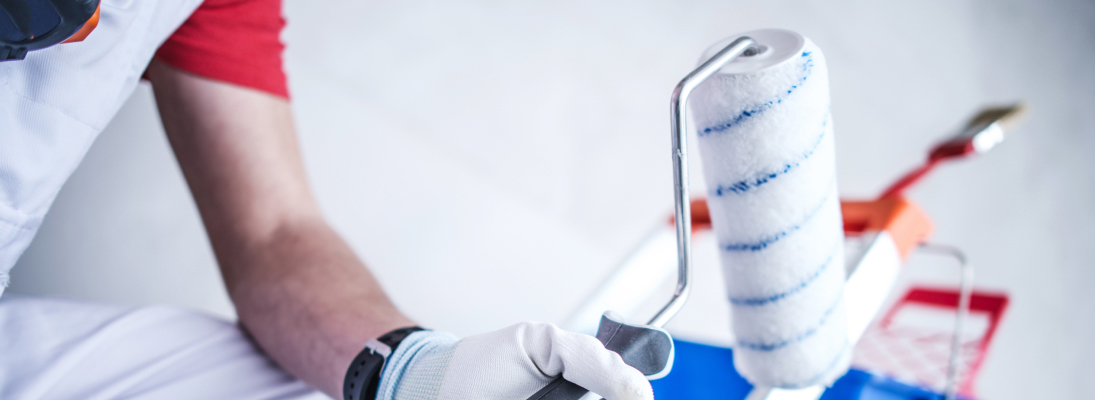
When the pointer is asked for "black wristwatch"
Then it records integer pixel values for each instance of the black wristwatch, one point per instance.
(363, 377)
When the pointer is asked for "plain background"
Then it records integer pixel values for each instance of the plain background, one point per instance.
(492, 160)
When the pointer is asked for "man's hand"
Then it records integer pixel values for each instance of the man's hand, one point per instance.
(508, 364)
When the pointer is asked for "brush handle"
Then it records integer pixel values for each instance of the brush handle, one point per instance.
(648, 349)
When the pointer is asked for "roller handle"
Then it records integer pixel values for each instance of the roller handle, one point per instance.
(560, 389)
(648, 349)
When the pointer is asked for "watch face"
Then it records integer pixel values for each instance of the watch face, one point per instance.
(25, 20)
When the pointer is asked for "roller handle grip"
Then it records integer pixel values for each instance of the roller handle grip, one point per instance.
(648, 349)
(560, 389)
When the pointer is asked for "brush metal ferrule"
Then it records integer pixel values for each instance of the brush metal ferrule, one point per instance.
(987, 138)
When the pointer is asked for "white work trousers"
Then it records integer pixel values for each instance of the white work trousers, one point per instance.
(66, 350)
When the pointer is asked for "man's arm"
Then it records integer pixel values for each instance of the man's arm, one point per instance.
(298, 288)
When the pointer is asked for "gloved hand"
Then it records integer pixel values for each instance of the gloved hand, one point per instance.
(508, 364)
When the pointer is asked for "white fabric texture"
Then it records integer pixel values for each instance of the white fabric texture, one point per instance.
(766, 140)
(66, 350)
(418, 366)
(55, 102)
(511, 363)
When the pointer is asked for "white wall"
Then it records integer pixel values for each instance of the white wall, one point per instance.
(492, 160)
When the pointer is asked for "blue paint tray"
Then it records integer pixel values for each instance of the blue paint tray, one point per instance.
(702, 372)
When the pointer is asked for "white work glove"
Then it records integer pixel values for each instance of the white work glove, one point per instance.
(508, 364)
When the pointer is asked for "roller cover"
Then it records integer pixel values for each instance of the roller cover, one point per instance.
(765, 135)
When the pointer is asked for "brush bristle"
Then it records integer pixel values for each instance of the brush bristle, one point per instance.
(1006, 116)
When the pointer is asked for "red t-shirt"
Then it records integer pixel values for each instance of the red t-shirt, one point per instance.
(233, 41)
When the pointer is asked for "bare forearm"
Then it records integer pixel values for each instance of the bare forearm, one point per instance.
(309, 302)
(298, 288)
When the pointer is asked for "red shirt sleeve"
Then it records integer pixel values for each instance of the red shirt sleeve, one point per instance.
(234, 41)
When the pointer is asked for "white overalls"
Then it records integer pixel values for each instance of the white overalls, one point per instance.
(52, 106)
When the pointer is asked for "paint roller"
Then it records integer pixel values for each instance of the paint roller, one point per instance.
(765, 136)
(648, 347)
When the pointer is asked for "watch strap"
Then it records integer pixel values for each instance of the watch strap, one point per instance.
(363, 376)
